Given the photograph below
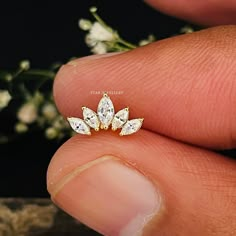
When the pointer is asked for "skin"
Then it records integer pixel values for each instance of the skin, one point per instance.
(189, 84)
(204, 12)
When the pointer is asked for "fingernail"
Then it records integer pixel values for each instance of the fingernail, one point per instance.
(92, 57)
(109, 196)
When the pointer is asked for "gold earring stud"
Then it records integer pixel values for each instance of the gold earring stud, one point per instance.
(104, 118)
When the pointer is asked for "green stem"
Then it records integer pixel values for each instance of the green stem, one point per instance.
(119, 39)
(127, 44)
(18, 72)
(120, 48)
(25, 92)
(100, 20)
(43, 73)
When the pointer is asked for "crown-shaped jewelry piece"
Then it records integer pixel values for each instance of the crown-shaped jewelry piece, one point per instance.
(104, 118)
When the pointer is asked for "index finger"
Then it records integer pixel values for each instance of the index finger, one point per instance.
(184, 87)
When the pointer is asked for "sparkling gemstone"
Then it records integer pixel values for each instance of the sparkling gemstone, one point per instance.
(78, 125)
(120, 118)
(90, 117)
(105, 111)
(131, 126)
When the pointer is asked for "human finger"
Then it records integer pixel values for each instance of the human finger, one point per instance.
(217, 12)
(144, 184)
(184, 87)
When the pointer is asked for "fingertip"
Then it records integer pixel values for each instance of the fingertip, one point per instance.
(92, 186)
(140, 184)
(201, 12)
(158, 78)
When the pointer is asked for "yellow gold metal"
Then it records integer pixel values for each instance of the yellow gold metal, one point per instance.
(105, 127)
(119, 120)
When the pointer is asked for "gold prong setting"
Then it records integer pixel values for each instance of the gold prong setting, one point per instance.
(104, 118)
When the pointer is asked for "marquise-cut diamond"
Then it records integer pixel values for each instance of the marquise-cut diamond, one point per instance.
(78, 125)
(132, 126)
(105, 111)
(90, 117)
(120, 118)
(105, 117)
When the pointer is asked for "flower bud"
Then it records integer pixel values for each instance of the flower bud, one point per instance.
(49, 111)
(85, 24)
(25, 65)
(99, 32)
(27, 113)
(51, 133)
(21, 127)
(93, 9)
(5, 98)
(99, 48)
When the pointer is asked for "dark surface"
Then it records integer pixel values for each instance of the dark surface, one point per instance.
(45, 32)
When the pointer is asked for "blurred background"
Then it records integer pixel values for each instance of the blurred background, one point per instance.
(45, 32)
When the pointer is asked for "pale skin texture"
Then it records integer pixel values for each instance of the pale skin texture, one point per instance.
(189, 83)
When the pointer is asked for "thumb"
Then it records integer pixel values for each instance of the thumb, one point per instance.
(145, 184)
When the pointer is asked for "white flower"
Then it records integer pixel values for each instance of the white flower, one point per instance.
(85, 24)
(99, 33)
(91, 42)
(5, 98)
(27, 113)
(98, 37)
(49, 111)
(99, 48)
